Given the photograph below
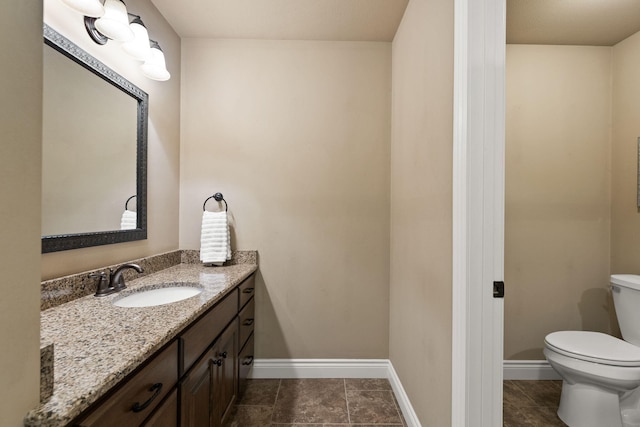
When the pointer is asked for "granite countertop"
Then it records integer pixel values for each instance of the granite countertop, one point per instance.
(96, 344)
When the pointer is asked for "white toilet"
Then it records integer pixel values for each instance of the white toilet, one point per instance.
(601, 373)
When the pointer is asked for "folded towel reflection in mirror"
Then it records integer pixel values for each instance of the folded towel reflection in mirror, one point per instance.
(129, 220)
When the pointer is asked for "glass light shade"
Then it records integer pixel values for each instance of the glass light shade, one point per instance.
(115, 22)
(155, 66)
(138, 47)
(92, 8)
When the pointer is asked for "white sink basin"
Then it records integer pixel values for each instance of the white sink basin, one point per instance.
(158, 296)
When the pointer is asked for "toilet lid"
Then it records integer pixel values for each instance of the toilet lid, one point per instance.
(631, 281)
(594, 347)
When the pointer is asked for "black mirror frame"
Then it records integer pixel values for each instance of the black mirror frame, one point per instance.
(65, 242)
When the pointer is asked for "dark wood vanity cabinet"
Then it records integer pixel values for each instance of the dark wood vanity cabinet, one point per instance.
(246, 321)
(201, 372)
(167, 414)
(209, 389)
(226, 377)
(203, 332)
(139, 395)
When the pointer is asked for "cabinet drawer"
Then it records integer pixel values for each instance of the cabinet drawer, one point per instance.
(247, 289)
(247, 320)
(199, 336)
(245, 363)
(138, 396)
(167, 413)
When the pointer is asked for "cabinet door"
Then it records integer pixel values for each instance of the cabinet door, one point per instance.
(196, 401)
(225, 377)
(209, 391)
(167, 414)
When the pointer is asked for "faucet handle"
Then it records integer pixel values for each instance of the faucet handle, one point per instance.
(103, 287)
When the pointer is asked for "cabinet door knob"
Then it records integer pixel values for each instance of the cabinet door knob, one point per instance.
(217, 362)
(247, 360)
(137, 407)
(223, 354)
(247, 322)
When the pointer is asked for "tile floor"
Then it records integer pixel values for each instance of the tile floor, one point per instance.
(371, 403)
(531, 403)
(316, 403)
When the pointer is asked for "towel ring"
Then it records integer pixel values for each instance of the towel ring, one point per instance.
(219, 198)
(126, 204)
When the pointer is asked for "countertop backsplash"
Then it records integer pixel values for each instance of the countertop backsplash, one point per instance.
(237, 257)
(61, 290)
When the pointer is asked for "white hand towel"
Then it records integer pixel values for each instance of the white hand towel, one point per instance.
(215, 239)
(129, 220)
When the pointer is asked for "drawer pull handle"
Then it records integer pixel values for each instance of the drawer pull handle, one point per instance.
(137, 407)
(247, 360)
(247, 291)
(247, 322)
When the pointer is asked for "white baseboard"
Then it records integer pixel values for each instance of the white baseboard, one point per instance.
(320, 368)
(529, 370)
(338, 368)
(403, 400)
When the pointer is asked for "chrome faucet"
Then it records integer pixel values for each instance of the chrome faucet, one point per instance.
(117, 279)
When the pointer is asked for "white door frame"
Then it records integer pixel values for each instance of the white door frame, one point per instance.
(478, 212)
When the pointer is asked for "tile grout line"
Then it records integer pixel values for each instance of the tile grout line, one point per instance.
(346, 399)
(398, 411)
(523, 390)
(275, 401)
(526, 387)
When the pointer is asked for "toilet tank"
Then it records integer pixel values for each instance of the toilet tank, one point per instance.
(626, 299)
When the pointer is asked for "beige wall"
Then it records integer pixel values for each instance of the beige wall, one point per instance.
(625, 219)
(557, 193)
(20, 160)
(296, 136)
(163, 139)
(421, 198)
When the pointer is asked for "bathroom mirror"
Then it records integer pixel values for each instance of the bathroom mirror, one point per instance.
(94, 150)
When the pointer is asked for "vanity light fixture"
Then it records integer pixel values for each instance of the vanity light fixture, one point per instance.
(111, 22)
(114, 24)
(138, 47)
(92, 8)
(155, 66)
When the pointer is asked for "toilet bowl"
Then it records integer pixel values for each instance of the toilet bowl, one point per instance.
(597, 371)
(601, 373)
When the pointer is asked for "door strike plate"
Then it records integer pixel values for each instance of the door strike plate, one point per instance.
(498, 289)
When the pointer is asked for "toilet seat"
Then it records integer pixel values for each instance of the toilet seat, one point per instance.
(594, 347)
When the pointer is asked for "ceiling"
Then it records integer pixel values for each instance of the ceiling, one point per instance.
(344, 20)
(572, 22)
